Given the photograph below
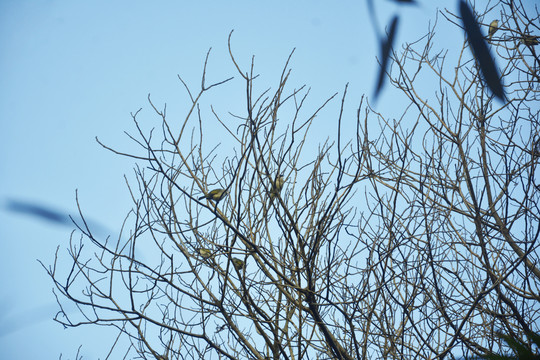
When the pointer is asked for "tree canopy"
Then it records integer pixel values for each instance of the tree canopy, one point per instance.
(414, 237)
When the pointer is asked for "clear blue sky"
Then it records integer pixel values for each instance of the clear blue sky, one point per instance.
(74, 70)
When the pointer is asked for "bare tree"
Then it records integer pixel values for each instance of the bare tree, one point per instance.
(259, 249)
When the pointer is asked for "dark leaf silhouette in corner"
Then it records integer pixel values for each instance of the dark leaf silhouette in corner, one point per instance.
(522, 350)
(386, 48)
(481, 51)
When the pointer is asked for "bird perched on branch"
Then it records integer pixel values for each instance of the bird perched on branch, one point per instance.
(493, 27)
(529, 40)
(216, 195)
(536, 148)
(238, 264)
(277, 186)
(205, 253)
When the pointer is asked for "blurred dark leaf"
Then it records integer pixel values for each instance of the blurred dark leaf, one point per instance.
(45, 213)
(50, 215)
(405, 1)
(522, 352)
(520, 349)
(481, 51)
(371, 9)
(535, 338)
(386, 49)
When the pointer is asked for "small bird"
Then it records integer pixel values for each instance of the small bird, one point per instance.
(529, 40)
(205, 253)
(277, 186)
(536, 148)
(238, 264)
(493, 27)
(216, 195)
